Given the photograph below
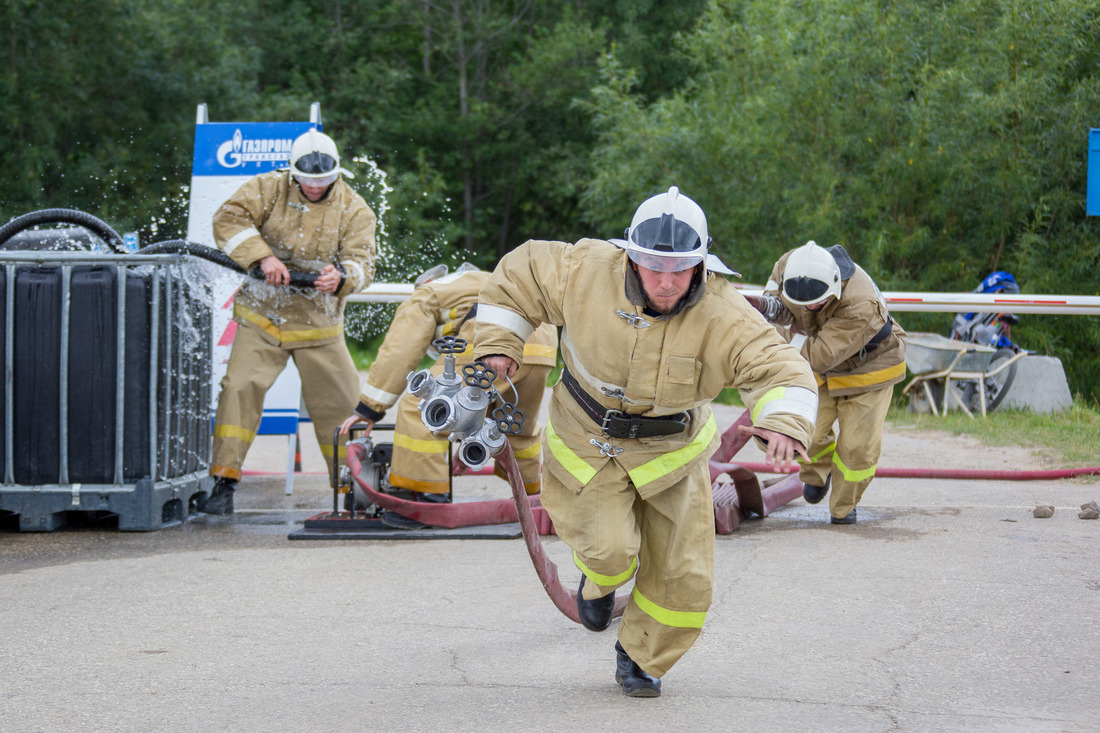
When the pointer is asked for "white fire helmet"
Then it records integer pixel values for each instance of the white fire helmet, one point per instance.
(811, 275)
(668, 233)
(314, 159)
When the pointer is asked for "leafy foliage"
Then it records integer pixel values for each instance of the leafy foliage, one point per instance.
(937, 142)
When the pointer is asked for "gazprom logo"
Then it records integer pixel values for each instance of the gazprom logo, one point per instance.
(240, 150)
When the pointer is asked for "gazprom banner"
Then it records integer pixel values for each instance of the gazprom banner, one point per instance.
(226, 155)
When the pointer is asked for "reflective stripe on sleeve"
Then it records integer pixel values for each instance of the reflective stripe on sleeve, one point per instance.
(669, 462)
(668, 617)
(569, 460)
(797, 340)
(789, 400)
(606, 580)
(239, 238)
(356, 275)
(497, 316)
(380, 396)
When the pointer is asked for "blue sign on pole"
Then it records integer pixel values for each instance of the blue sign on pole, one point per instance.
(1092, 195)
(244, 148)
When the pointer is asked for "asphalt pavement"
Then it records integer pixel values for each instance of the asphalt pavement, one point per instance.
(948, 607)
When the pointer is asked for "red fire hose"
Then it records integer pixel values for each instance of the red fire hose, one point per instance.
(521, 508)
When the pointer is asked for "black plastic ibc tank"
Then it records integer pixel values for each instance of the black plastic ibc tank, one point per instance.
(91, 385)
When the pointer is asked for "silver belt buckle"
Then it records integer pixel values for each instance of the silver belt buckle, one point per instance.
(604, 426)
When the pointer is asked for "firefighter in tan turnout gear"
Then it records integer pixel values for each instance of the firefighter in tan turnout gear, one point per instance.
(443, 305)
(841, 325)
(307, 219)
(649, 339)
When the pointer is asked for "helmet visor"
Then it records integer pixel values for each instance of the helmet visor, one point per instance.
(315, 164)
(805, 290)
(666, 234)
(317, 181)
(663, 263)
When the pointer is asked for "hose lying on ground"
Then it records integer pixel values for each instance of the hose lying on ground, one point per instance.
(518, 509)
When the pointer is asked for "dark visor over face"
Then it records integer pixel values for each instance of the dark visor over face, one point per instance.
(666, 234)
(315, 163)
(804, 289)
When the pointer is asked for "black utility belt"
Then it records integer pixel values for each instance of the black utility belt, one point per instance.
(619, 424)
(879, 337)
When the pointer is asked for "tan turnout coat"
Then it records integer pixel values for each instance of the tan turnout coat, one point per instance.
(268, 215)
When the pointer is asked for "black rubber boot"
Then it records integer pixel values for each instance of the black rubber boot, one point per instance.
(849, 519)
(220, 501)
(632, 678)
(595, 615)
(813, 494)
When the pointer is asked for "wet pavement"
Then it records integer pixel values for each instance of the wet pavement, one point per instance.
(948, 607)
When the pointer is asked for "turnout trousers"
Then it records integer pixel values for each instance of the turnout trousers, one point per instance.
(665, 543)
(420, 459)
(850, 452)
(330, 389)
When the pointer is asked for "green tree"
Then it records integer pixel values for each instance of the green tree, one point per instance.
(936, 142)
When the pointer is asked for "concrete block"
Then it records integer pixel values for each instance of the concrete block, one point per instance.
(1040, 386)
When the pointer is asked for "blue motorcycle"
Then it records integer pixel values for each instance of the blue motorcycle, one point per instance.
(990, 329)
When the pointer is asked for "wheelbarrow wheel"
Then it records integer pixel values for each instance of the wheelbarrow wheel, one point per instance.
(996, 387)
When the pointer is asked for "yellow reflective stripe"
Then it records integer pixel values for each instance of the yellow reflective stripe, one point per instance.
(326, 450)
(854, 476)
(549, 352)
(419, 446)
(312, 334)
(234, 431)
(427, 487)
(775, 393)
(824, 452)
(305, 334)
(529, 452)
(867, 379)
(569, 460)
(669, 462)
(668, 617)
(225, 472)
(606, 579)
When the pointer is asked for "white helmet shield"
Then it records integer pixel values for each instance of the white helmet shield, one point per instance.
(810, 275)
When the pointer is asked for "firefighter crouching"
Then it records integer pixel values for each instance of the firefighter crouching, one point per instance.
(841, 325)
(444, 306)
(650, 337)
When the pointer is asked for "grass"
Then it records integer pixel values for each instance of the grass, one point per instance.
(1069, 439)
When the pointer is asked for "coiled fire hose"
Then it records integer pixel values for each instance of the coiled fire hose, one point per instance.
(114, 242)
